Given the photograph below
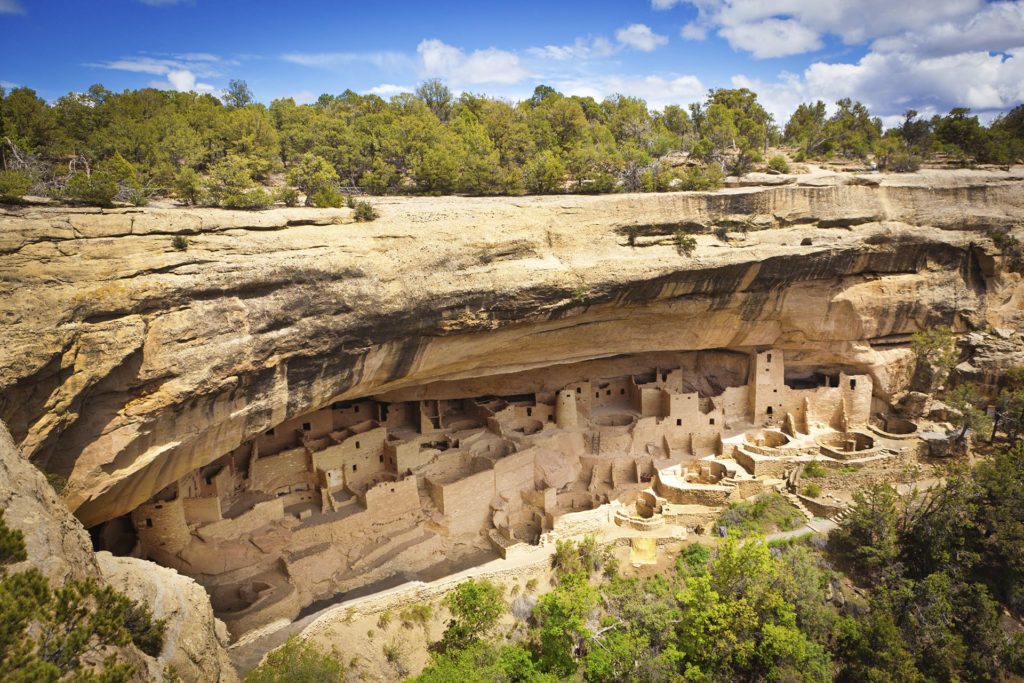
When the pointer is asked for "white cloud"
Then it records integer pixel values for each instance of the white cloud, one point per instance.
(640, 37)
(181, 72)
(581, 49)
(998, 27)
(302, 97)
(333, 60)
(389, 89)
(694, 31)
(11, 7)
(665, 4)
(658, 90)
(891, 83)
(439, 60)
(182, 80)
(772, 38)
(853, 21)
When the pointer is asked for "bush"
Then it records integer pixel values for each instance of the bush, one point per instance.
(769, 512)
(544, 173)
(313, 174)
(288, 195)
(179, 242)
(14, 184)
(326, 197)
(364, 212)
(685, 244)
(419, 613)
(701, 178)
(253, 200)
(778, 163)
(812, 490)
(188, 185)
(475, 607)
(297, 661)
(96, 189)
(814, 470)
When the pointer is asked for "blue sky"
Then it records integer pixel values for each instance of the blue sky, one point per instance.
(926, 54)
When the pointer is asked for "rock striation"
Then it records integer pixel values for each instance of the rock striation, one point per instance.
(126, 364)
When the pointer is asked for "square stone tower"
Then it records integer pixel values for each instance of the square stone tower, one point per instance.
(767, 387)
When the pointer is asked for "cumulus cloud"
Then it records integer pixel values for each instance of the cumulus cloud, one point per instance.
(439, 60)
(11, 7)
(389, 89)
(640, 37)
(665, 4)
(805, 21)
(772, 38)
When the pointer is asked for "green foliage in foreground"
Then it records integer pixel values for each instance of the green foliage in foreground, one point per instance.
(74, 632)
(14, 184)
(297, 661)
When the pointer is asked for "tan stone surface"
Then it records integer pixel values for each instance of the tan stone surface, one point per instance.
(195, 642)
(126, 364)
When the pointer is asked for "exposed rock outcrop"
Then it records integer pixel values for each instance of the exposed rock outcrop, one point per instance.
(195, 644)
(125, 364)
(58, 545)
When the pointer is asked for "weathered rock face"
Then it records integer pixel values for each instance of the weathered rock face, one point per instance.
(195, 645)
(59, 547)
(125, 364)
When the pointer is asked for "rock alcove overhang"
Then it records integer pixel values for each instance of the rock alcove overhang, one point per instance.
(124, 372)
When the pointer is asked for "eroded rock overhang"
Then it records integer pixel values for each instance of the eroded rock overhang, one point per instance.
(126, 364)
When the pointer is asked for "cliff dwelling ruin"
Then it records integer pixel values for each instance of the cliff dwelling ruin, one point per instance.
(361, 491)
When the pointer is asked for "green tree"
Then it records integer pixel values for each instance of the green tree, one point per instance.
(311, 175)
(852, 131)
(237, 94)
(436, 95)
(544, 173)
(475, 607)
(14, 184)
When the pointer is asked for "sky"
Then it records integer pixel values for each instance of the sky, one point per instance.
(929, 55)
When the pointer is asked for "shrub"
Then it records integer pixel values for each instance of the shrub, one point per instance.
(14, 184)
(769, 512)
(326, 197)
(179, 242)
(313, 174)
(384, 619)
(419, 613)
(138, 196)
(188, 185)
(96, 189)
(364, 212)
(253, 200)
(297, 661)
(812, 490)
(685, 244)
(778, 163)
(544, 173)
(814, 470)
(288, 195)
(701, 178)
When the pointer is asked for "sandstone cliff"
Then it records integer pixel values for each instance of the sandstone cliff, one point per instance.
(58, 545)
(125, 364)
